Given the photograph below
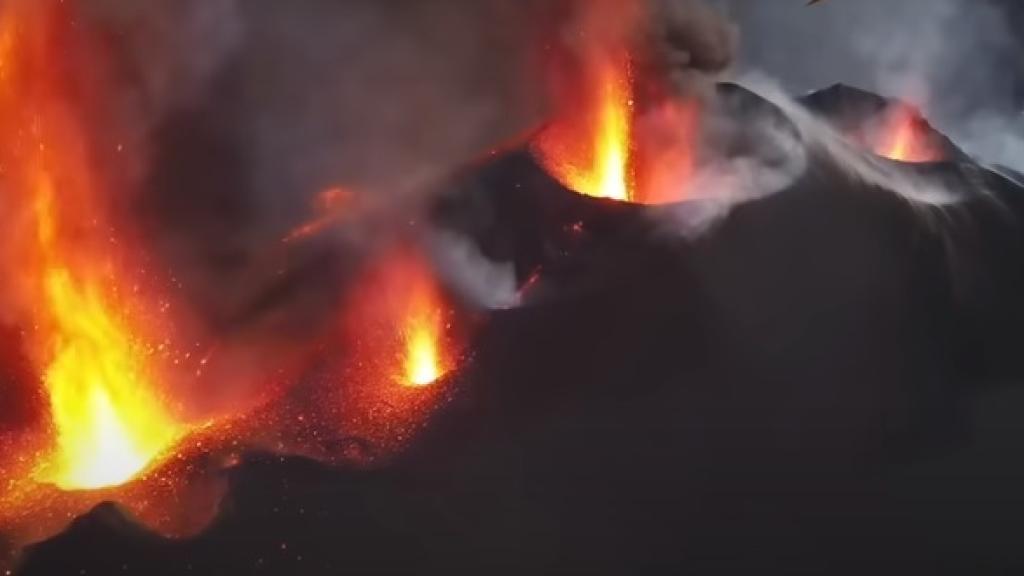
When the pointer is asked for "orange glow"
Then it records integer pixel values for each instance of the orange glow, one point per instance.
(608, 149)
(422, 320)
(608, 176)
(591, 154)
(603, 143)
(400, 322)
(904, 138)
(399, 343)
(89, 340)
(666, 159)
(422, 366)
(109, 423)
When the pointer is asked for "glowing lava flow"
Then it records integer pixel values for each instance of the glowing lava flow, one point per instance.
(108, 420)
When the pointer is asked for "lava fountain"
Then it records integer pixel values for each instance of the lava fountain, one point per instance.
(411, 324)
(95, 338)
(591, 152)
(424, 362)
(619, 132)
(400, 341)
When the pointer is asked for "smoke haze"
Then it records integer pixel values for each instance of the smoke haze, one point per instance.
(957, 59)
(244, 111)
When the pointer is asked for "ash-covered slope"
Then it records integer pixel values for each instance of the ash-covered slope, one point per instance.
(747, 399)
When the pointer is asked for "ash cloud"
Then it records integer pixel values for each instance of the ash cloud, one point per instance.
(689, 37)
(957, 59)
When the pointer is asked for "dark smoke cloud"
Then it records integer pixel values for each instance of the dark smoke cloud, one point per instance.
(689, 37)
(958, 59)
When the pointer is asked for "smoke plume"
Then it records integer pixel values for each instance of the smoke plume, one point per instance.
(957, 59)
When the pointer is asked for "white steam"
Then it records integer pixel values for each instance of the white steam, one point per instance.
(483, 282)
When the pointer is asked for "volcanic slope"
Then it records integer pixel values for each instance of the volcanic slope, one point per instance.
(774, 394)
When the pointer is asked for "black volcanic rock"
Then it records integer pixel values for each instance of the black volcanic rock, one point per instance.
(7, 553)
(108, 540)
(778, 395)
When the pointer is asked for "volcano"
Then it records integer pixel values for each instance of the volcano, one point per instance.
(788, 388)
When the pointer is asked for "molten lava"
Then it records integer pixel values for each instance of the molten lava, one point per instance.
(110, 424)
(399, 343)
(591, 152)
(108, 420)
(621, 130)
(905, 137)
(422, 366)
(421, 323)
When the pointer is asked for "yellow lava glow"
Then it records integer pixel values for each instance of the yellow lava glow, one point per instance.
(424, 329)
(900, 143)
(608, 175)
(590, 150)
(109, 424)
(422, 363)
(904, 140)
(87, 340)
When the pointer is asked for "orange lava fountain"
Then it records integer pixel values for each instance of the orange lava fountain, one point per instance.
(415, 315)
(421, 364)
(603, 143)
(588, 147)
(904, 138)
(424, 325)
(400, 344)
(91, 326)
(591, 153)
